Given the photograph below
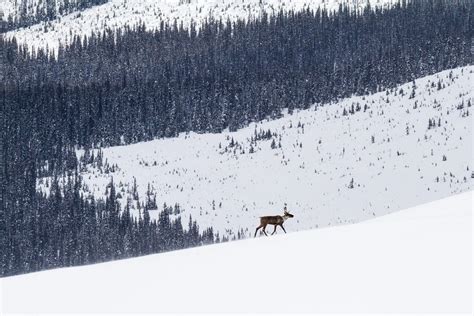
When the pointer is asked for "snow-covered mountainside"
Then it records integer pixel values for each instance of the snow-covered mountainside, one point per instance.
(332, 164)
(13, 9)
(418, 260)
(117, 14)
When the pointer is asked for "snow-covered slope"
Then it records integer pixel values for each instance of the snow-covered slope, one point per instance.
(418, 260)
(11, 9)
(119, 13)
(394, 158)
(7, 9)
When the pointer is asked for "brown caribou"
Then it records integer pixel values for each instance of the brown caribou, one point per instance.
(273, 220)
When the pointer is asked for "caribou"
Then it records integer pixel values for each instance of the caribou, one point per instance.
(276, 221)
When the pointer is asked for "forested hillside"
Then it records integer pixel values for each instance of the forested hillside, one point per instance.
(119, 14)
(23, 13)
(332, 164)
(134, 85)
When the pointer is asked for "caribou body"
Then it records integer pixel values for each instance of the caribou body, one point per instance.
(276, 221)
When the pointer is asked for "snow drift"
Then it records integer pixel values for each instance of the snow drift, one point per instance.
(417, 260)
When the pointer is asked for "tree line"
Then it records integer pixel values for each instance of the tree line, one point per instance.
(64, 228)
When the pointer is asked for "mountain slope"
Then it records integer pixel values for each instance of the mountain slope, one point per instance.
(418, 260)
(117, 14)
(24, 13)
(400, 148)
(13, 9)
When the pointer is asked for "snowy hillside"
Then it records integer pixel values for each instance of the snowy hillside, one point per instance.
(119, 13)
(418, 260)
(399, 148)
(13, 8)
(7, 9)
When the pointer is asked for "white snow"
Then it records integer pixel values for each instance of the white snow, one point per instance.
(230, 191)
(117, 14)
(417, 260)
(7, 8)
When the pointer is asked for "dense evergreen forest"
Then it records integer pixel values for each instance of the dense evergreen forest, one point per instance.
(45, 10)
(133, 85)
(65, 229)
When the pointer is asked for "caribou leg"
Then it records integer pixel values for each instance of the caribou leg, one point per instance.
(283, 228)
(257, 230)
(275, 229)
(265, 226)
